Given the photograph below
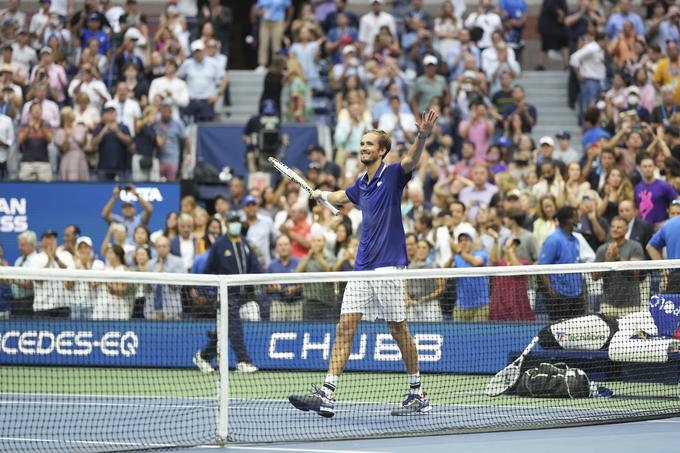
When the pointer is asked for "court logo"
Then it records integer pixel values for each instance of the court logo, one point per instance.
(150, 194)
(68, 343)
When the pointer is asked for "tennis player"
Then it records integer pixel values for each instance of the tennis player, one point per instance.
(378, 194)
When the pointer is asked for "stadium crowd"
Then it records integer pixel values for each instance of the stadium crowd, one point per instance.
(94, 95)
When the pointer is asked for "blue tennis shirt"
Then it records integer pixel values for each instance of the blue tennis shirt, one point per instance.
(382, 242)
(562, 248)
(668, 236)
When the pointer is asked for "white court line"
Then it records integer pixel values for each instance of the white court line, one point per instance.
(663, 421)
(304, 450)
(74, 403)
(85, 395)
(85, 442)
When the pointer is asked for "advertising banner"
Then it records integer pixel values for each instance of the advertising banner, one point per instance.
(443, 348)
(42, 206)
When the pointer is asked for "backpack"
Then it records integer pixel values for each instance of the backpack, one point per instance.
(554, 381)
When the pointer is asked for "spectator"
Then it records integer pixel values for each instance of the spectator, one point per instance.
(551, 27)
(500, 65)
(172, 143)
(22, 290)
(273, 84)
(286, 300)
(170, 228)
(589, 64)
(164, 303)
(128, 216)
(349, 131)
(112, 140)
(300, 108)
(617, 188)
(7, 138)
(23, 53)
(485, 19)
(274, 16)
(49, 298)
(51, 73)
(71, 234)
(119, 233)
(400, 125)
(525, 111)
(478, 129)
(127, 108)
(50, 109)
(205, 83)
(616, 22)
(429, 86)
(87, 83)
(114, 302)
(422, 296)
(480, 193)
(185, 245)
(34, 137)
(668, 236)
(593, 228)
(621, 287)
(371, 23)
(145, 164)
(95, 31)
(170, 88)
(446, 29)
(662, 114)
(306, 50)
(213, 231)
(575, 188)
(564, 152)
(298, 230)
(239, 260)
(13, 13)
(85, 293)
(545, 224)
(85, 113)
(550, 181)
(653, 195)
(472, 303)
(668, 28)
(260, 229)
(319, 298)
(317, 154)
(332, 19)
(638, 230)
(71, 139)
(665, 74)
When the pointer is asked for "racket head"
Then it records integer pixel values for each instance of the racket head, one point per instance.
(503, 380)
(285, 170)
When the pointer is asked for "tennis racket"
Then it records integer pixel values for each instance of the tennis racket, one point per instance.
(286, 171)
(508, 376)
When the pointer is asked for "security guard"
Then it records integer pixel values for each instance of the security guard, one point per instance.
(231, 254)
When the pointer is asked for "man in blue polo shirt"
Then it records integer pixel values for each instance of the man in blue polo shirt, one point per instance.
(378, 194)
(564, 291)
(668, 236)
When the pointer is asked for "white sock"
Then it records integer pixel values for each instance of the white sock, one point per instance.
(331, 382)
(414, 383)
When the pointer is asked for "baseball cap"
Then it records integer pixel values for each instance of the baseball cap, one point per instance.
(233, 216)
(49, 233)
(466, 230)
(167, 102)
(546, 141)
(503, 141)
(93, 16)
(110, 105)
(83, 240)
(513, 195)
(563, 134)
(133, 33)
(197, 45)
(6, 67)
(429, 59)
(172, 9)
(348, 49)
(46, 50)
(248, 199)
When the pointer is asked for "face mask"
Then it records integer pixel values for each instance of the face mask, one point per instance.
(234, 229)
(55, 22)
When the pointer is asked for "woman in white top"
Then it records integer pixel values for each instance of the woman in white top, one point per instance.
(115, 298)
(446, 28)
(84, 293)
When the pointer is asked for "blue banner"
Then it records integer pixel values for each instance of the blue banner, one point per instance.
(444, 348)
(665, 310)
(222, 146)
(39, 207)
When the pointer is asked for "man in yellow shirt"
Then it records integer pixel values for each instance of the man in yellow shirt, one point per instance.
(668, 71)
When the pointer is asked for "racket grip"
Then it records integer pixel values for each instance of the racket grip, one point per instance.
(329, 206)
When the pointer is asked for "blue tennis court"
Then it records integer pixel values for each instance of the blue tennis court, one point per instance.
(84, 423)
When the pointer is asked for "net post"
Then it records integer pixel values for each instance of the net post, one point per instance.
(223, 363)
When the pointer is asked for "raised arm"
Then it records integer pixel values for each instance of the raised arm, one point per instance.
(424, 126)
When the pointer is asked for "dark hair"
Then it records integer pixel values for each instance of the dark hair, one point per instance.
(608, 151)
(145, 250)
(564, 214)
(119, 252)
(426, 219)
(146, 230)
(642, 156)
(384, 140)
(672, 166)
(592, 115)
(600, 36)
(76, 229)
(166, 231)
(619, 219)
(516, 214)
(413, 235)
(206, 237)
(460, 203)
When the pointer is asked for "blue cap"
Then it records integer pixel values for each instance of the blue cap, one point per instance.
(503, 141)
(233, 216)
(268, 107)
(248, 199)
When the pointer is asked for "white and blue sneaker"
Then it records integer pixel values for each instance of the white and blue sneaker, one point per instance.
(414, 404)
(318, 400)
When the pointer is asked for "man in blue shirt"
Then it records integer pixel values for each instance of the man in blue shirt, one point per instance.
(668, 236)
(378, 193)
(128, 216)
(564, 291)
(472, 302)
(286, 299)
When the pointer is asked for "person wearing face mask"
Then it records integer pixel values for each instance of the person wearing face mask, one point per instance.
(231, 254)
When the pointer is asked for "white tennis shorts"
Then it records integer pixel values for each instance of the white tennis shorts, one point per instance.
(375, 299)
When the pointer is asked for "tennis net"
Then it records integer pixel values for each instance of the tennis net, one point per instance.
(100, 381)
